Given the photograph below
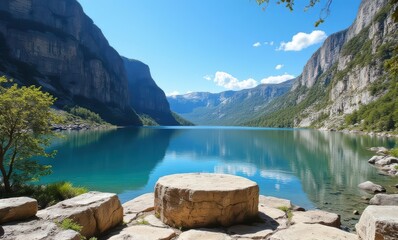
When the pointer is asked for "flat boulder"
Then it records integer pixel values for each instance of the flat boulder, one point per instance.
(203, 234)
(384, 199)
(37, 230)
(378, 222)
(303, 231)
(96, 212)
(317, 217)
(16, 209)
(371, 187)
(197, 200)
(139, 232)
(143, 203)
(250, 231)
(274, 202)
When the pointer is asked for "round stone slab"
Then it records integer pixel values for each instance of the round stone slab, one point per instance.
(196, 200)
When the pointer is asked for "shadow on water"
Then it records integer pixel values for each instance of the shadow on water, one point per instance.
(112, 160)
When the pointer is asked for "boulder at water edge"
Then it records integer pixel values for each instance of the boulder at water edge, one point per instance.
(317, 216)
(384, 199)
(378, 222)
(371, 187)
(95, 211)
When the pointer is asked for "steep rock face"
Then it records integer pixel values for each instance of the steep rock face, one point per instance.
(146, 97)
(342, 75)
(357, 63)
(227, 108)
(55, 45)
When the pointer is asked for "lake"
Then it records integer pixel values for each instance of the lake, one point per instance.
(314, 169)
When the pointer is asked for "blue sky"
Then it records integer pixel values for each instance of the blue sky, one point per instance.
(216, 45)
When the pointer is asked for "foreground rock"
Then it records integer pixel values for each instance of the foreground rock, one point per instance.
(97, 212)
(371, 187)
(202, 200)
(205, 234)
(302, 231)
(35, 230)
(274, 202)
(14, 209)
(384, 199)
(378, 222)
(143, 203)
(317, 217)
(139, 232)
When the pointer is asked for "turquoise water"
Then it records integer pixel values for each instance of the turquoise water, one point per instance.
(314, 169)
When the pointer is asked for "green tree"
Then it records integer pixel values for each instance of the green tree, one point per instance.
(25, 121)
(311, 3)
(325, 9)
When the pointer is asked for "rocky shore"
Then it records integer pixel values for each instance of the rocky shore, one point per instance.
(383, 161)
(103, 216)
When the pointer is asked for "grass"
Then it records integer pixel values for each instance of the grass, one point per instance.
(394, 152)
(46, 195)
(288, 212)
(68, 223)
(143, 222)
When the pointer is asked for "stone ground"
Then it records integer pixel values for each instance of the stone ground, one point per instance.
(141, 222)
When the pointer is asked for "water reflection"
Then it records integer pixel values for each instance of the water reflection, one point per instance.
(113, 160)
(312, 168)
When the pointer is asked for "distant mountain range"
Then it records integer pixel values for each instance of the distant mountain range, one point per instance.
(227, 108)
(54, 44)
(345, 83)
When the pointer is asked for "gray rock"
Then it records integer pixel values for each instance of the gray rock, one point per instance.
(317, 217)
(302, 231)
(384, 199)
(371, 187)
(274, 202)
(19, 208)
(37, 230)
(139, 232)
(203, 234)
(154, 221)
(252, 231)
(378, 222)
(374, 159)
(386, 161)
(96, 212)
(143, 203)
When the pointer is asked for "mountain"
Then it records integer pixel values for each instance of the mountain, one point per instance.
(349, 73)
(227, 108)
(55, 45)
(146, 97)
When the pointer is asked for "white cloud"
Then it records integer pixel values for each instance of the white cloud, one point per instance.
(279, 66)
(227, 81)
(303, 40)
(257, 44)
(277, 79)
(271, 43)
(265, 43)
(173, 93)
(208, 77)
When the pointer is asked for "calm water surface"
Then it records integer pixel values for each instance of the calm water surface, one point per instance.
(314, 169)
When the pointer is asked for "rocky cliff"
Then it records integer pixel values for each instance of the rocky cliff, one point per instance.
(343, 74)
(146, 97)
(227, 108)
(55, 45)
